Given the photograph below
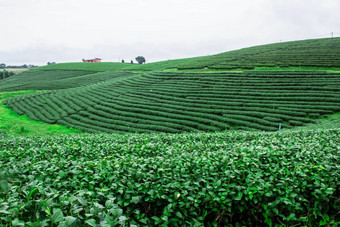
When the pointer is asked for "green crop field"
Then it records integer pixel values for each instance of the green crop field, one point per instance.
(186, 142)
(56, 79)
(83, 66)
(226, 179)
(305, 54)
(177, 102)
(12, 124)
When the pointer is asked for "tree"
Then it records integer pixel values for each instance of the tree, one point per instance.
(6, 74)
(131, 62)
(123, 61)
(140, 59)
(2, 65)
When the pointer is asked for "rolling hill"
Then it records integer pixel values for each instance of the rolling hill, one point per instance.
(148, 178)
(311, 54)
(117, 97)
(175, 102)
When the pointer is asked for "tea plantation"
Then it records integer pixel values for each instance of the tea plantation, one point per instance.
(186, 142)
(176, 102)
(314, 53)
(226, 179)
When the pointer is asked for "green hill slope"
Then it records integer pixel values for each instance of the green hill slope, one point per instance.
(313, 53)
(55, 79)
(116, 97)
(176, 102)
(82, 66)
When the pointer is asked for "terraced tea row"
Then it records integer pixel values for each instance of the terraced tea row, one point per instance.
(56, 79)
(306, 53)
(176, 102)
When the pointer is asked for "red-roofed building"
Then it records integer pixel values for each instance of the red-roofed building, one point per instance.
(93, 60)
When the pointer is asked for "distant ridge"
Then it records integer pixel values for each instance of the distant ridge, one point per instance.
(312, 53)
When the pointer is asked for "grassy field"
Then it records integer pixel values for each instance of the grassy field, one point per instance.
(16, 71)
(12, 124)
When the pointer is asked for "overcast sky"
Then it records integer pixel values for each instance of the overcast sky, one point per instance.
(38, 31)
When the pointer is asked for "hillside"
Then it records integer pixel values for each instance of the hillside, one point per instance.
(82, 66)
(117, 97)
(313, 53)
(56, 79)
(175, 102)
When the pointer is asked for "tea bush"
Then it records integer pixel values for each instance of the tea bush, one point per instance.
(225, 179)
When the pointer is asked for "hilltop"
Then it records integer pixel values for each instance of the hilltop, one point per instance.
(311, 54)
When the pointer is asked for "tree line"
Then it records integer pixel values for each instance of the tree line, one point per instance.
(139, 59)
(5, 74)
(25, 66)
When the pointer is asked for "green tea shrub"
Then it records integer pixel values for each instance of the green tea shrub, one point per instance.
(224, 179)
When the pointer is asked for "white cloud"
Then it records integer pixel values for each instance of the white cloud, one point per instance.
(69, 29)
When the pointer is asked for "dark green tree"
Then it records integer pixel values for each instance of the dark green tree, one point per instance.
(140, 59)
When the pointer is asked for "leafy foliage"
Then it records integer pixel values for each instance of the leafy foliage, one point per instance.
(239, 178)
(5, 74)
(140, 59)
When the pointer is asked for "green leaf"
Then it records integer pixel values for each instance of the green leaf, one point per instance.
(116, 212)
(135, 199)
(57, 215)
(69, 220)
(219, 182)
(4, 186)
(82, 201)
(239, 196)
(17, 222)
(31, 193)
(178, 214)
(91, 222)
(48, 211)
(157, 220)
(329, 191)
(122, 219)
(292, 215)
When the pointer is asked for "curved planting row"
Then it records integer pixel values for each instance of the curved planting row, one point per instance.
(306, 53)
(176, 102)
